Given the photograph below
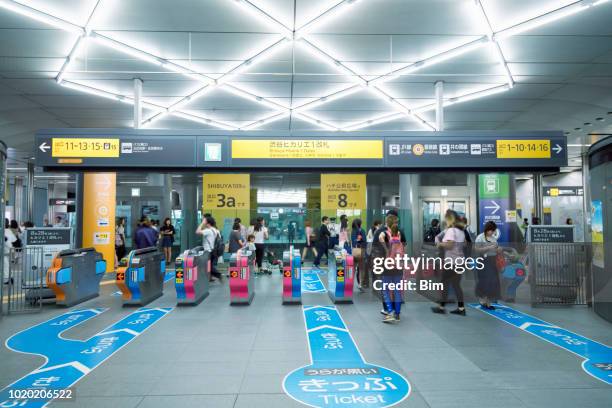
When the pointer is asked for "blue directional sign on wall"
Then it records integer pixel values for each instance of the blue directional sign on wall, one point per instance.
(597, 357)
(338, 375)
(68, 361)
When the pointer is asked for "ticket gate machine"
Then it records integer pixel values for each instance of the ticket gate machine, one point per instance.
(140, 276)
(292, 276)
(192, 276)
(341, 276)
(75, 275)
(241, 275)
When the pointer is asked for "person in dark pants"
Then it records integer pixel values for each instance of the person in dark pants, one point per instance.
(145, 236)
(261, 235)
(209, 233)
(322, 242)
(167, 234)
(488, 287)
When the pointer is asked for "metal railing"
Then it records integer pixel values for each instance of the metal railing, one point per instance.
(559, 273)
(26, 286)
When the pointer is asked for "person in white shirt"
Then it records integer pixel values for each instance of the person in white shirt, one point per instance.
(9, 240)
(488, 287)
(209, 234)
(261, 235)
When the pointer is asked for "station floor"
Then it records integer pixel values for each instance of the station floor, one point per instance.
(218, 356)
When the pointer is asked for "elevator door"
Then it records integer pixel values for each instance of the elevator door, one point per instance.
(435, 208)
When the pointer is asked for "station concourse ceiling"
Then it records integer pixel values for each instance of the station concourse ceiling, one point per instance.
(304, 65)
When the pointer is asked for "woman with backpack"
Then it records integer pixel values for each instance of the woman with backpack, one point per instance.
(210, 238)
(451, 242)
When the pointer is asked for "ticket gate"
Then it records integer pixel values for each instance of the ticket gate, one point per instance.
(192, 276)
(242, 265)
(341, 276)
(292, 276)
(75, 275)
(140, 276)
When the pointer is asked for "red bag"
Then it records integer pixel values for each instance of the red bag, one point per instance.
(500, 262)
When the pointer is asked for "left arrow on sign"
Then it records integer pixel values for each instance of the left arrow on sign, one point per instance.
(44, 147)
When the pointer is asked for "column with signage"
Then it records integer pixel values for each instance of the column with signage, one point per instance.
(495, 204)
(227, 196)
(343, 194)
(98, 222)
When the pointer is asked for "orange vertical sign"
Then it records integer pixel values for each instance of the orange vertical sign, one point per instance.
(99, 196)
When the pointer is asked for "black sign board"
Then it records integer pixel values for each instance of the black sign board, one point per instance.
(48, 236)
(62, 201)
(562, 191)
(551, 233)
(156, 149)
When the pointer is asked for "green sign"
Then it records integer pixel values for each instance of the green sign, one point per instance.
(494, 186)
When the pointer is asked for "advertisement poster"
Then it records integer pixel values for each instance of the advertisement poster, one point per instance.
(99, 193)
(597, 233)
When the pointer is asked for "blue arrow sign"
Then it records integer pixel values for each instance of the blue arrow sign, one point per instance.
(311, 282)
(338, 375)
(597, 357)
(70, 360)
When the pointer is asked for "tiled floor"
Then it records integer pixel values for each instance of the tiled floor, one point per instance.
(218, 356)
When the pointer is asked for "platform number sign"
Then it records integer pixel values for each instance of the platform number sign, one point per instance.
(343, 191)
(226, 191)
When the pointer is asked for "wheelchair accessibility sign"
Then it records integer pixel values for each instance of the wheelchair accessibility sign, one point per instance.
(338, 375)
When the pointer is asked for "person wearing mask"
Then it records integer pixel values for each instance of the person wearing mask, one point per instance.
(333, 229)
(209, 235)
(145, 236)
(235, 239)
(9, 240)
(322, 242)
(451, 244)
(120, 238)
(310, 240)
(358, 243)
(392, 276)
(488, 288)
(261, 235)
(167, 232)
(432, 231)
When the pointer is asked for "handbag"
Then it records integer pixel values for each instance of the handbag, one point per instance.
(500, 262)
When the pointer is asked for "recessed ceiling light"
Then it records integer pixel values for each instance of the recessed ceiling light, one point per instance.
(600, 119)
(588, 124)
(577, 128)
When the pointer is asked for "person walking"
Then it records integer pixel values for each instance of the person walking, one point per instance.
(209, 236)
(432, 231)
(358, 244)
(451, 244)
(488, 287)
(235, 239)
(120, 239)
(392, 277)
(310, 240)
(145, 236)
(322, 242)
(167, 234)
(261, 235)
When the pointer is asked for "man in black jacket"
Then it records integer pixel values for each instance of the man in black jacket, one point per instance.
(322, 242)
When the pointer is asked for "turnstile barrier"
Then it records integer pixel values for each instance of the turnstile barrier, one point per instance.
(292, 276)
(140, 276)
(191, 279)
(75, 275)
(341, 276)
(241, 277)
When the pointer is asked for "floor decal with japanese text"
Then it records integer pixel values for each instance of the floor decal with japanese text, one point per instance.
(597, 357)
(311, 282)
(68, 361)
(338, 375)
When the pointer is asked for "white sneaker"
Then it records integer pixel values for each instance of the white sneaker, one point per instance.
(384, 312)
(388, 318)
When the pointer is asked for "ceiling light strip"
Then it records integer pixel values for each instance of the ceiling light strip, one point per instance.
(41, 16)
(401, 107)
(203, 120)
(316, 122)
(74, 53)
(255, 98)
(328, 98)
(264, 16)
(334, 63)
(265, 121)
(375, 121)
(333, 11)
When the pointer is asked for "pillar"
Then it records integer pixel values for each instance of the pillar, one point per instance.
(189, 207)
(439, 89)
(30, 193)
(373, 200)
(538, 201)
(408, 189)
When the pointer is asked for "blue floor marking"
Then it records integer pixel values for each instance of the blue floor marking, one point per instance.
(338, 375)
(597, 357)
(311, 282)
(68, 361)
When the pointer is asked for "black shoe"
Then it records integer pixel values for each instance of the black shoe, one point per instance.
(460, 312)
(490, 307)
(438, 310)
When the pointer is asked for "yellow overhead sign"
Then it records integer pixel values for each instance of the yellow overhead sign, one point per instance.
(523, 149)
(84, 147)
(307, 149)
(343, 191)
(226, 191)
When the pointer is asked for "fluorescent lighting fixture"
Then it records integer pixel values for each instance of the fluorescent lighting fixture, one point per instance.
(502, 60)
(126, 49)
(267, 120)
(329, 98)
(92, 91)
(254, 60)
(41, 16)
(16, 169)
(266, 18)
(247, 95)
(544, 19)
(331, 61)
(375, 121)
(334, 11)
(390, 100)
(315, 122)
(57, 176)
(477, 95)
(203, 120)
(154, 118)
(433, 60)
(172, 66)
(134, 182)
(74, 53)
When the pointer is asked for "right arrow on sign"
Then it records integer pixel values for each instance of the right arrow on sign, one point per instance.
(495, 207)
(558, 149)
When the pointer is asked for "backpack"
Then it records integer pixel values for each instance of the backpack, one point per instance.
(219, 247)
